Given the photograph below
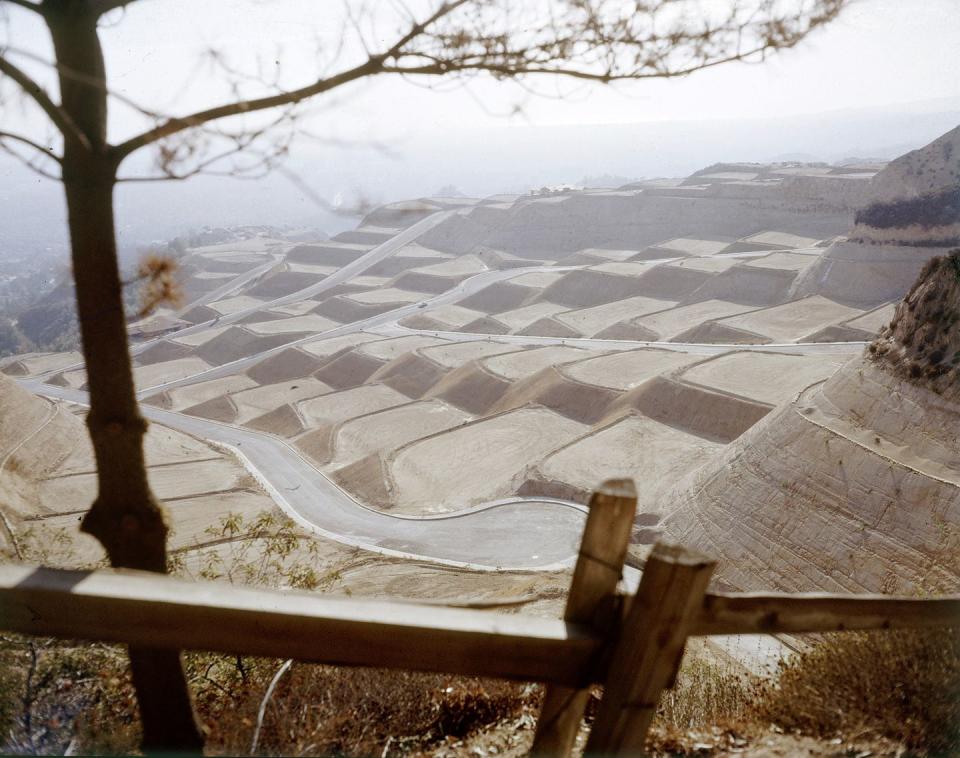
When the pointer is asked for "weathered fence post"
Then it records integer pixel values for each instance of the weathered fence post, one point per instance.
(603, 550)
(650, 648)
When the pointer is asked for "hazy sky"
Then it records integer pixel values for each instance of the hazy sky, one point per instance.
(883, 54)
(879, 52)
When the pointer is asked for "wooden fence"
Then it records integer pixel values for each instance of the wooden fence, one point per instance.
(631, 644)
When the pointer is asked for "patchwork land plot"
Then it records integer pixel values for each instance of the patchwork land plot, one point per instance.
(654, 455)
(793, 321)
(478, 462)
(768, 377)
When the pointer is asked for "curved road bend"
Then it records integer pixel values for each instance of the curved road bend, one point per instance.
(520, 533)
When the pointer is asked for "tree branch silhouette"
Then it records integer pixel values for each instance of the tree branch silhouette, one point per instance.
(60, 118)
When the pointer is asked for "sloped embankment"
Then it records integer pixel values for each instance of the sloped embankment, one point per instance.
(914, 216)
(36, 436)
(855, 485)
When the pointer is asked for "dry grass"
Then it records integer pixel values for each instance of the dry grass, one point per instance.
(320, 710)
(904, 685)
(854, 687)
(706, 694)
(84, 696)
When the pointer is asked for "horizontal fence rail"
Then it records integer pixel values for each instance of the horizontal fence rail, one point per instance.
(759, 613)
(152, 610)
(633, 645)
(141, 608)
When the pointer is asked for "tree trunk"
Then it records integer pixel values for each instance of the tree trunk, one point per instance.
(125, 517)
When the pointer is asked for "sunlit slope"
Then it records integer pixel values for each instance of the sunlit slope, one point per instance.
(48, 480)
(856, 484)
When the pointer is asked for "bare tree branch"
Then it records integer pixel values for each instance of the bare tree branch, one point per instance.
(443, 68)
(46, 151)
(175, 125)
(372, 66)
(100, 7)
(35, 7)
(60, 118)
(595, 41)
(32, 165)
(76, 76)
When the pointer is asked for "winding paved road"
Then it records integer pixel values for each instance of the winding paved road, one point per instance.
(510, 534)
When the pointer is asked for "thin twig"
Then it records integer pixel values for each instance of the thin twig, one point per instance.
(263, 703)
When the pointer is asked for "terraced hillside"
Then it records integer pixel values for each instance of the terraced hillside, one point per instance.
(48, 480)
(913, 216)
(496, 358)
(856, 484)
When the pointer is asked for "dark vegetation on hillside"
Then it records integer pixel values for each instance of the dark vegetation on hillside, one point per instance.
(922, 341)
(49, 323)
(927, 211)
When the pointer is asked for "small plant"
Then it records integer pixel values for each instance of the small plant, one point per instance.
(706, 693)
(267, 549)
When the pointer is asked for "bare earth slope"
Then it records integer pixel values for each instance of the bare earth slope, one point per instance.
(47, 479)
(856, 484)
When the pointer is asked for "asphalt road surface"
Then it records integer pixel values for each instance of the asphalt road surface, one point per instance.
(519, 533)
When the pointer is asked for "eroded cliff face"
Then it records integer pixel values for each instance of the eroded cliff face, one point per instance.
(855, 485)
(922, 341)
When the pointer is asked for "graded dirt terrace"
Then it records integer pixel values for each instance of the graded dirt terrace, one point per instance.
(768, 377)
(793, 321)
(472, 464)
(254, 402)
(455, 354)
(803, 468)
(399, 422)
(590, 321)
(637, 447)
(392, 428)
(339, 406)
(628, 369)
(48, 479)
(193, 394)
(669, 323)
(521, 363)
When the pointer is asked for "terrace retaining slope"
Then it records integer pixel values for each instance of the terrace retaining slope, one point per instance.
(827, 494)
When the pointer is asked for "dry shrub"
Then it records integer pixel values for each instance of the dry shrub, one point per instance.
(159, 284)
(902, 684)
(706, 693)
(314, 710)
(323, 710)
(54, 691)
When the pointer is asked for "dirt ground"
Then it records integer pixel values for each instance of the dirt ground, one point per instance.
(478, 462)
(793, 321)
(768, 377)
